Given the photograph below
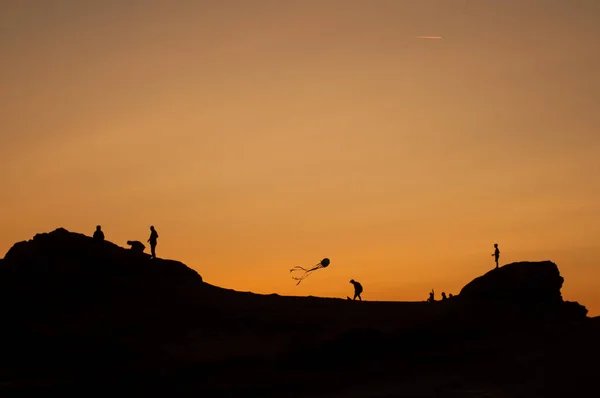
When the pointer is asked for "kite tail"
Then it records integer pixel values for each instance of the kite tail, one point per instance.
(306, 274)
(299, 279)
(299, 267)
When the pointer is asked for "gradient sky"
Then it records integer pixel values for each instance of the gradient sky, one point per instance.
(260, 135)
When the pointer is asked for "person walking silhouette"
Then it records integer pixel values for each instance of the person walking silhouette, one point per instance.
(357, 289)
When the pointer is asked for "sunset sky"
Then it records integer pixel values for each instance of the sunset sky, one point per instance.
(399, 138)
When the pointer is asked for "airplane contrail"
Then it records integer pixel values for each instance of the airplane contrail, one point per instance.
(428, 37)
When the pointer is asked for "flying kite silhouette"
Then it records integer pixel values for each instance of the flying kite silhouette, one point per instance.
(300, 273)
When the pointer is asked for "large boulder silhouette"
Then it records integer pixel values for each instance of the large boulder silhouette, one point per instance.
(521, 282)
(74, 268)
(529, 286)
(66, 295)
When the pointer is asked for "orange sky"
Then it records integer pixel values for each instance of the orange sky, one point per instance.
(259, 135)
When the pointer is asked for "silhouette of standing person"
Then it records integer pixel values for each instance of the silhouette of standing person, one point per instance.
(153, 241)
(496, 254)
(357, 289)
(98, 234)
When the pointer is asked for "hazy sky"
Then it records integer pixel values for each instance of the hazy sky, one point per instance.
(260, 135)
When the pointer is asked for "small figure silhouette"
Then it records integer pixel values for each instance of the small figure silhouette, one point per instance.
(431, 299)
(153, 241)
(136, 246)
(444, 296)
(98, 234)
(357, 289)
(450, 295)
(496, 254)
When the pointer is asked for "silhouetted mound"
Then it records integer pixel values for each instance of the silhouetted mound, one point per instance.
(69, 300)
(528, 285)
(76, 268)
(523, 281)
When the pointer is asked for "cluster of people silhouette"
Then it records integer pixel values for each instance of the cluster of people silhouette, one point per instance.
(358, 287)
(139, 247)
(136, 245)
(431, 298)
(495, 254)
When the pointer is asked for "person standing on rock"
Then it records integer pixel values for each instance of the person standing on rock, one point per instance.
(153, 241)
(496, 254)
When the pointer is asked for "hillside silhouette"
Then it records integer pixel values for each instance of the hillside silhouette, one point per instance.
(81, 313)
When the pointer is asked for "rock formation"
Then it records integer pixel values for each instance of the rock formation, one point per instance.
(529, 286)
(520, 282)
(72, 268)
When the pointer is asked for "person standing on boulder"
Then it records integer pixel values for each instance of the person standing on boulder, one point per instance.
(496, 254)
(153, 241)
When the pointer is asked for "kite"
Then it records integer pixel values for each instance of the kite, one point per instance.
(300, 273)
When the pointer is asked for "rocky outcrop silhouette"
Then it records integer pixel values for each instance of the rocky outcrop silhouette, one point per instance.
(528, 286)
(71, 275)
(70, 258)
(71, 301)
(521, 282)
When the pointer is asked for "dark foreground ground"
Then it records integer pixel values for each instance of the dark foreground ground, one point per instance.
(85, 319)
(272, 346)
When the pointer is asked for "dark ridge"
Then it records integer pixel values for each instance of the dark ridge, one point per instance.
(79, 313)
